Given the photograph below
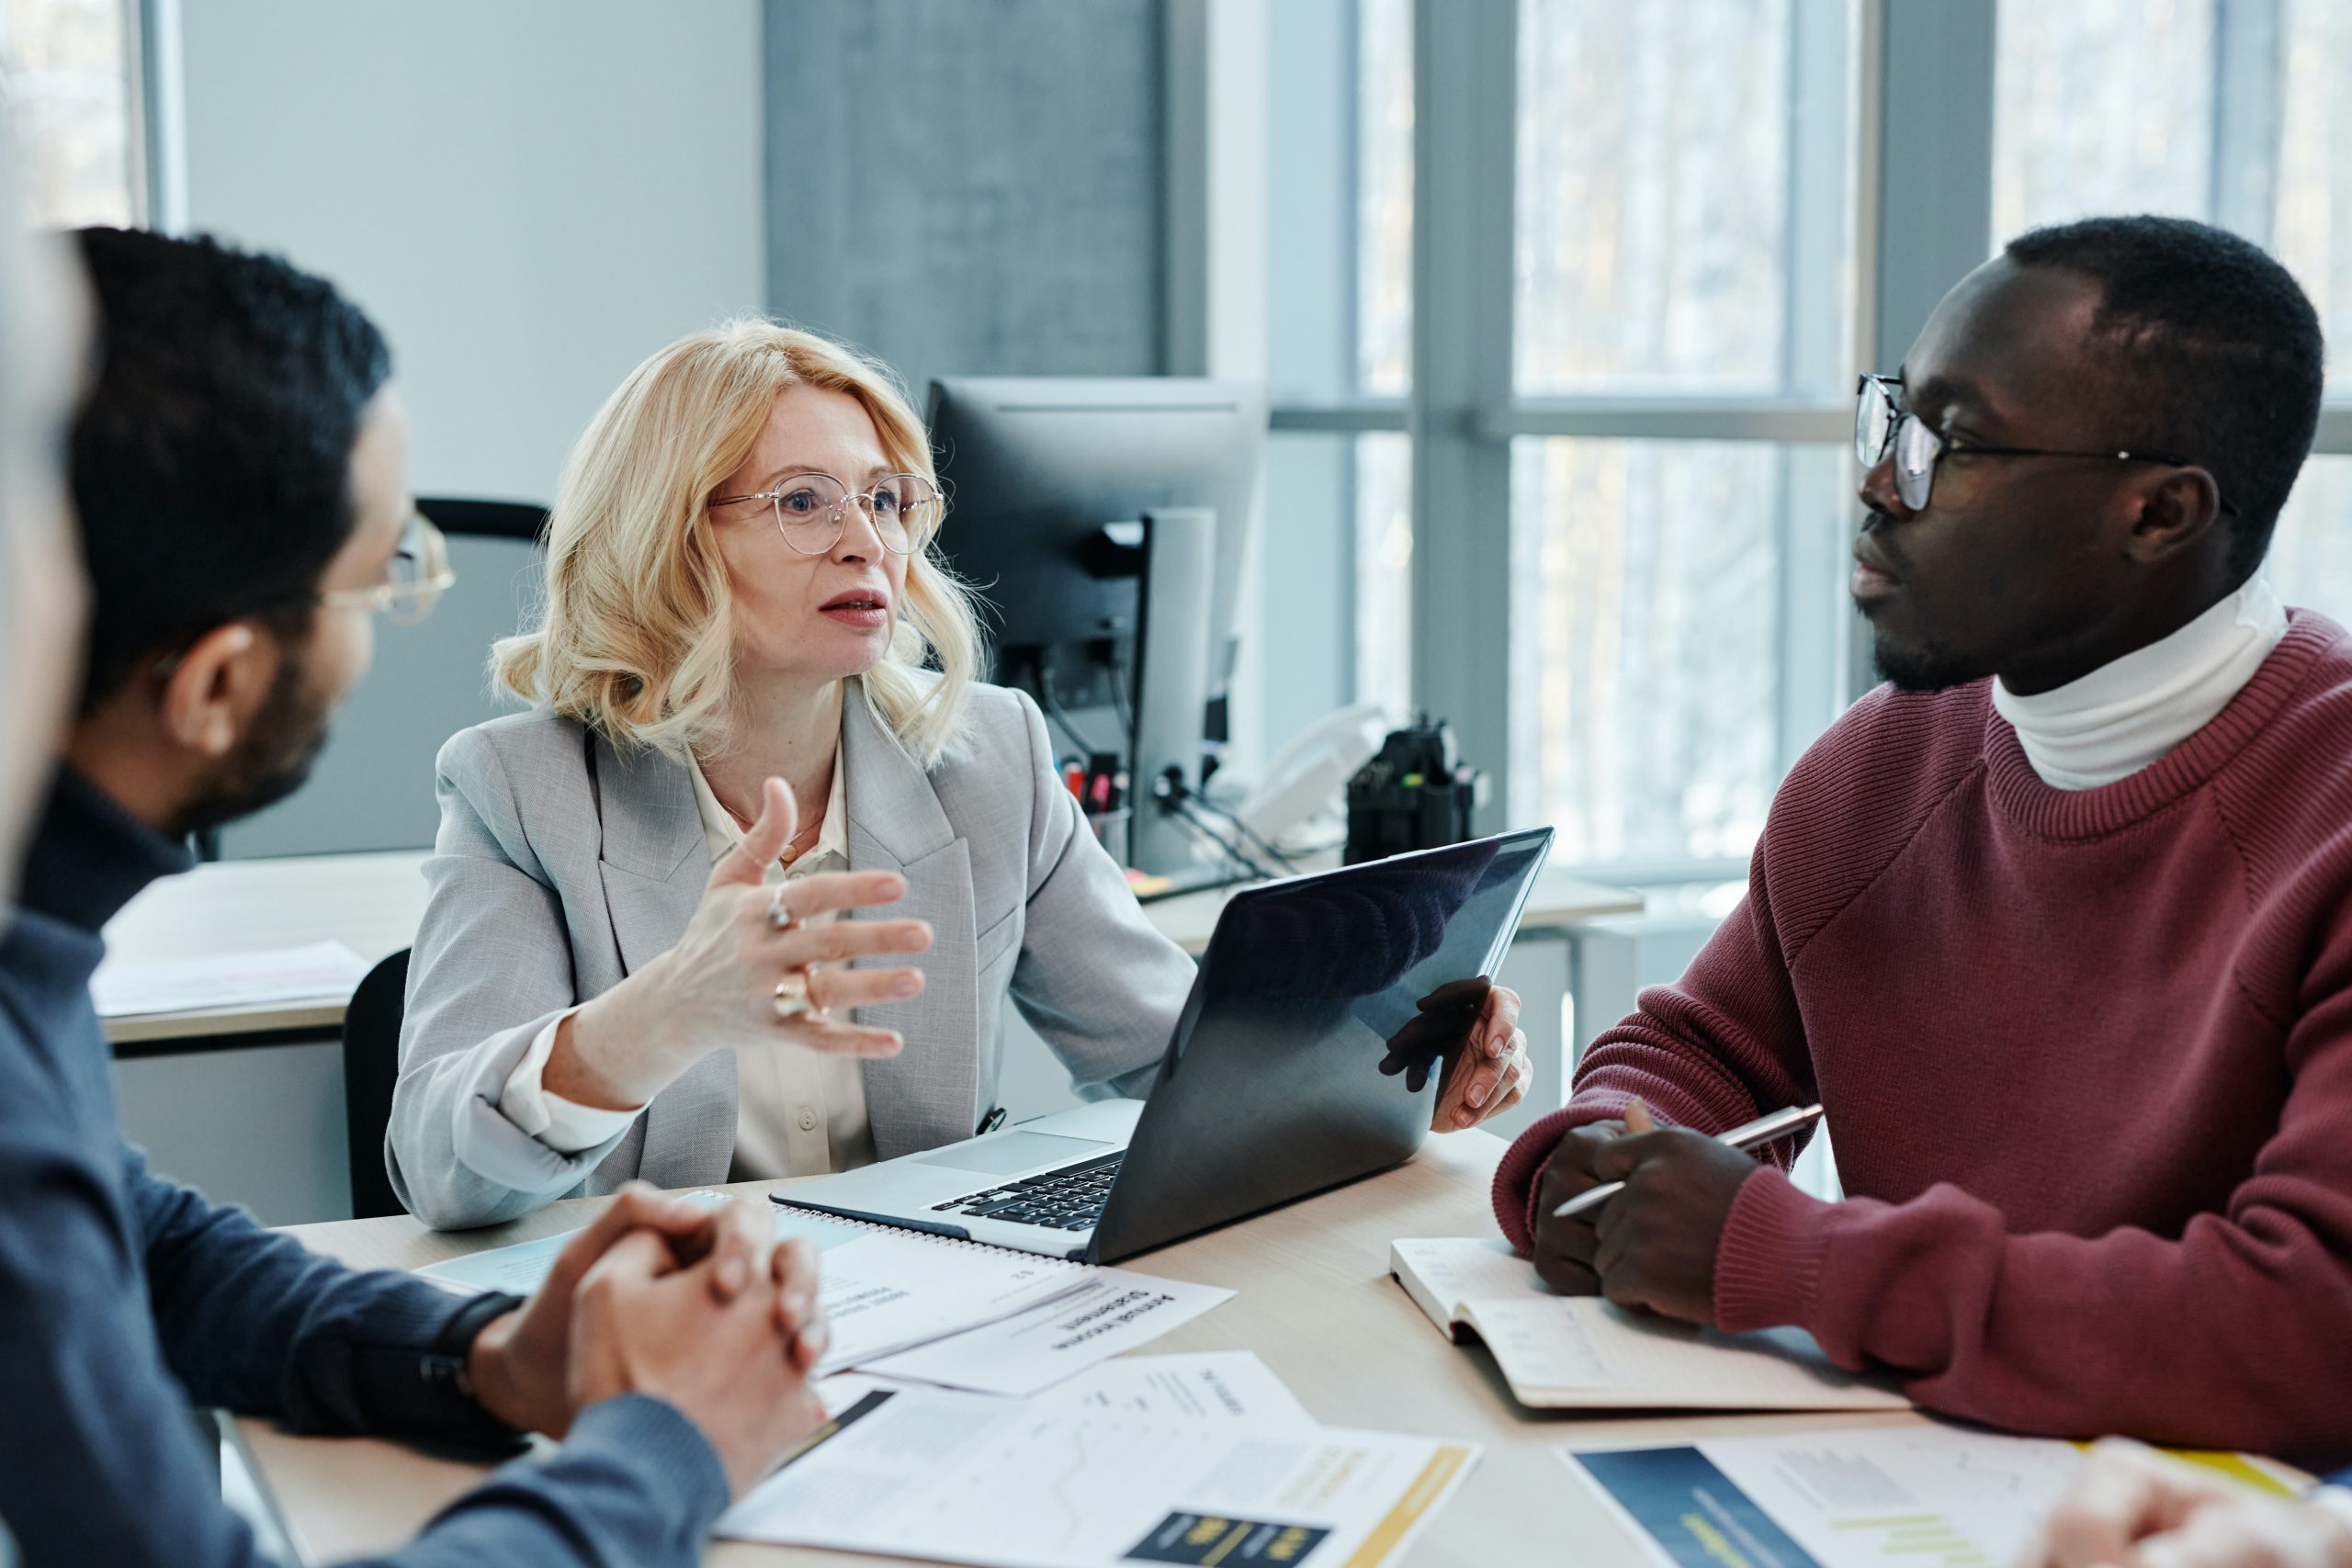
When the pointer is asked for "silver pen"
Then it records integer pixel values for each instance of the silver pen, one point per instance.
(1763, 1130)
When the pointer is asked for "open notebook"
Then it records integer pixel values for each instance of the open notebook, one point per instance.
(883, 1290)
(1580, 1353)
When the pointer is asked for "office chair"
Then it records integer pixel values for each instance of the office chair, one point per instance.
(462, 518)
(371, 1064)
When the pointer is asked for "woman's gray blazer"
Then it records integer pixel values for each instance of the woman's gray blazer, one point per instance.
(563, 865)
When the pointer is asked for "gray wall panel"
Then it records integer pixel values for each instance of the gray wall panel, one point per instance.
(967, 186)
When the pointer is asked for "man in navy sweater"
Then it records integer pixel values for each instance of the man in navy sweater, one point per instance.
(238, 469)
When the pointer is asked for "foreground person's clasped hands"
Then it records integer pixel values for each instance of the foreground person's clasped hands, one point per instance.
(691, 1304)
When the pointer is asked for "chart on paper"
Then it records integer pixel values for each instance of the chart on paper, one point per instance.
(1006, 1484)
(1876, 1497)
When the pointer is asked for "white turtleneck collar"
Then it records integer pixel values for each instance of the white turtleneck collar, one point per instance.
(2126, 713)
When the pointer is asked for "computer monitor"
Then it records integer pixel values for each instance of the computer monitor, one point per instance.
(1052, 486)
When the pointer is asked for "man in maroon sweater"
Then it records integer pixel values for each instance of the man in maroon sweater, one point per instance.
(2057, 923)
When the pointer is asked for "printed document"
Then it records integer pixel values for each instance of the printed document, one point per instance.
(324, 970)
(1205, 1385)
(1860, 1498)
(1114, 1310)
(1209, 1385)
(1003, 1483)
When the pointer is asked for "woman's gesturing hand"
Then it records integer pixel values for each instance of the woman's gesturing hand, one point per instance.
(740, 975)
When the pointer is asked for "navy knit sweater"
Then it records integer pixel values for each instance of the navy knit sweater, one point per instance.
(124, 1296)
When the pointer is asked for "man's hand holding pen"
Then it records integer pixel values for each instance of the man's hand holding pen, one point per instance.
(1651, 1246)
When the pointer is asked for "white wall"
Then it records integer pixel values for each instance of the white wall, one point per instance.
(528, 196)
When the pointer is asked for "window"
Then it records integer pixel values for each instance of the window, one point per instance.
(2104, 108)
(2311, 554)
(1656, 710)
(2252, 131)
(1384, 579)
(1383, 130)
(1340, 313)
(1653, 197)
(1336, 556)
(1382, 476)
(72, 88)
(1682, 232)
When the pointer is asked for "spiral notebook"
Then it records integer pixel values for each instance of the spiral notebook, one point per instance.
(1580, 1353)
(883, 1290)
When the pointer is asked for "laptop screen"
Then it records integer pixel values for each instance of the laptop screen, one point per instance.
(1323, 1014)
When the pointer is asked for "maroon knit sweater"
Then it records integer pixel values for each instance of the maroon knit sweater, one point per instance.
(2087, 1056)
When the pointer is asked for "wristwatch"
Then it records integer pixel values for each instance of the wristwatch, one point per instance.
(453, 1346)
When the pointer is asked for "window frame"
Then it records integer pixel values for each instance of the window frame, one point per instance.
(159, 119)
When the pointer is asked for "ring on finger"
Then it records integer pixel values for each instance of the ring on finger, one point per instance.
(792, 995)
(778, 915)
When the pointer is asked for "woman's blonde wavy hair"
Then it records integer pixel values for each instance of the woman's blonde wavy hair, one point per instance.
(636, 640)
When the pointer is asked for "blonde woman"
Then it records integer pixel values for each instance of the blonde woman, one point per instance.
(754, 714)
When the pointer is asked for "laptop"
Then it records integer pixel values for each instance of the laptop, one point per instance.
(1310, 1053)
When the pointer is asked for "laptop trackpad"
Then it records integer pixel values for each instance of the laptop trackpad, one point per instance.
(1009, 1152)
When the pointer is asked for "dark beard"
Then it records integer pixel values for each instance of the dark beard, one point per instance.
(1933, 667)
(276, 756)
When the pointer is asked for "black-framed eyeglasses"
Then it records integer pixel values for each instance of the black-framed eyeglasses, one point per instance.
(1884, 426)
(812, 510)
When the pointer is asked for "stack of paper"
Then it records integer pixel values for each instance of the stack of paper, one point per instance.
(1035, 1447)
(324, 970)
(1109, 1312)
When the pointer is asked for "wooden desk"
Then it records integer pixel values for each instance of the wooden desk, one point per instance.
(1315, 1302)
(371, 904)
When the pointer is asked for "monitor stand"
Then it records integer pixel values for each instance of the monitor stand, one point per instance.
(1171, 678)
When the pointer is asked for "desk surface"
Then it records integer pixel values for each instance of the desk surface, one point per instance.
(371, 904)
(1315, 1302)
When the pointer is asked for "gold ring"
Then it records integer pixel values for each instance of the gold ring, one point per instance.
(792, 998)
(778, 916)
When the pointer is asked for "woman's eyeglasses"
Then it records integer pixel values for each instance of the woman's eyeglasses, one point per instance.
(812, 511)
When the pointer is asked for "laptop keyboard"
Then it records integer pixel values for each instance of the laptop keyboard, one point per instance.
(1069, 1198)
